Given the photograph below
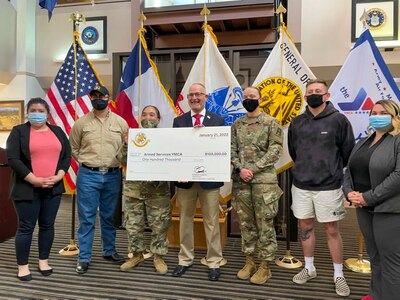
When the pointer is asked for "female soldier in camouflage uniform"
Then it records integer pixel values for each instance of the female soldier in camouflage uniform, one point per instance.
(150, 199)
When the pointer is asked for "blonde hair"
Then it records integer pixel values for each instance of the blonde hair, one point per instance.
(393, 109)
(316, 80)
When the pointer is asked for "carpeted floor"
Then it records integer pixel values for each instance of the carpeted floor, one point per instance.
(105, 281)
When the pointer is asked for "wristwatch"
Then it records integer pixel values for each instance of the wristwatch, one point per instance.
(237, 170)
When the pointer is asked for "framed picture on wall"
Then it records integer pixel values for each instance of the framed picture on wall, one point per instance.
(243, 77)
(93, 35)
(382, 19)
(11, 114)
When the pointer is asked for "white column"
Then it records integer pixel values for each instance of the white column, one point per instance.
(25, 84)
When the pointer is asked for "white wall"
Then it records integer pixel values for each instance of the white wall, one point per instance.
(55, 38)
(325, 31)
(8, 19)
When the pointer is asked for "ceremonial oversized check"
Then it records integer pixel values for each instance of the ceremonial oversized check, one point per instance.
(179, 154)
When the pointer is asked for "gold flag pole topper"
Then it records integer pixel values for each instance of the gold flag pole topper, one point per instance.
(364, 19)
(205, 12)
(72, 248)
(288, 260)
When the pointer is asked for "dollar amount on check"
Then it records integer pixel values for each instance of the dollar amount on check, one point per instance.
(179, 154)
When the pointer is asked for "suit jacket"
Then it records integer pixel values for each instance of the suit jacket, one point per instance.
(384, 172)
(210, 119)
(19, 159)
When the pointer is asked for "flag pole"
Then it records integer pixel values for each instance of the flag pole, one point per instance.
(141, 20)
(205, 12)
(72, 248)
(286, 261)
(359, 264)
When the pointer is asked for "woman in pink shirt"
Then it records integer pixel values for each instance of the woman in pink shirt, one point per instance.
(39, 155)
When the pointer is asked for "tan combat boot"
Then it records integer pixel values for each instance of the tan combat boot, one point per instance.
(262, 275)
(160, 265)
(248, 269)
(132, 262)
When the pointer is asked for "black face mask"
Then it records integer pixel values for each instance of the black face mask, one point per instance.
(99, 104)
(250, 104)
(315, 100)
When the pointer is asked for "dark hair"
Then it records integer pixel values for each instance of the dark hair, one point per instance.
(155, 108)
(317, 81)
(38, 101)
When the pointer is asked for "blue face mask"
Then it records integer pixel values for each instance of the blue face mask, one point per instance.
(380, 122)
(37, 118)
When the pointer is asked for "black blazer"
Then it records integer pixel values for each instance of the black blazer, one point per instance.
(210, 119)
(384, 174)
(19, 159)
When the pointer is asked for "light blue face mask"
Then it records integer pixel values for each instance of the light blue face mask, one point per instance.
(37, 118)
(380, 122)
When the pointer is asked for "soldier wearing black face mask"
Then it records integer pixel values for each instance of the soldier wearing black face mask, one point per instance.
(256, 146)
(320, 141)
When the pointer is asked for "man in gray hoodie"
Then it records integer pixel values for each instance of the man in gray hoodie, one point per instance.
(320, 141)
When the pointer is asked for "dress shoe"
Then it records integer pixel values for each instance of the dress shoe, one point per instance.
(213, 274)
(115, 258)
(180, 270)
(47, 272)
(25, 277)
(82, 267)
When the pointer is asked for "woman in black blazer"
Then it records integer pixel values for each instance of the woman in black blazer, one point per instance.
(372, 184)
(39, 155)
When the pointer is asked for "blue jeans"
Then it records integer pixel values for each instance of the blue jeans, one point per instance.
(42, 209)
(96, 190)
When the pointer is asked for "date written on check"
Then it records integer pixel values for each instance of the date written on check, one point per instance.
(179, 154)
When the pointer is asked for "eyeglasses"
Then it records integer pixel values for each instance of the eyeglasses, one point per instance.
(191, 95)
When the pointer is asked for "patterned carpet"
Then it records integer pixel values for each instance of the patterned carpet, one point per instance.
(105, 281)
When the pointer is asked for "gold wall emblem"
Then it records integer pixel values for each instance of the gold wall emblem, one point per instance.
(377, 18)
(281, 99)
(141, 140)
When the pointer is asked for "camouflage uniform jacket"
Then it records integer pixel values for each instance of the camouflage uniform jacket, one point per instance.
(146, 189)
(142, 189)
(256, 145)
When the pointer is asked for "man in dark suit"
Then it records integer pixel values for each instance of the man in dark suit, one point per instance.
(207, 192)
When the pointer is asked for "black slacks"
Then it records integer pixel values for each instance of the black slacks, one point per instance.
(42, 209)
(382, 240)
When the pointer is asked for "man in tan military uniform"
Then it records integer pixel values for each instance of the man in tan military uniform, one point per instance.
(96, 139)
(255, 147)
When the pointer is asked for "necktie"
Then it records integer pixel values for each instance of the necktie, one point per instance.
(197, 121)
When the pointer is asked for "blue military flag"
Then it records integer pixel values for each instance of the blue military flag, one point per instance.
(49, 5)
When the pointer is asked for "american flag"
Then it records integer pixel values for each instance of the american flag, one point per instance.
(64, 109)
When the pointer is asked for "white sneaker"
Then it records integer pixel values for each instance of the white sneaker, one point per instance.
(304, 276)
(342, 289)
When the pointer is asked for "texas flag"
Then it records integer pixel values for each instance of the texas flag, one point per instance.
(224, 91)
(363, 79)
(210, 68)
(141, 88)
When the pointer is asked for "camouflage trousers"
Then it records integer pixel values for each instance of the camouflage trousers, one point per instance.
(157, 209)
(256, 205)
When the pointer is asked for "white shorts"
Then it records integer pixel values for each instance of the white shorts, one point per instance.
(326, 206)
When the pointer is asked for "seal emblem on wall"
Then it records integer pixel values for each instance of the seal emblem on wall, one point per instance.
(377, 18)
(90, 35)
